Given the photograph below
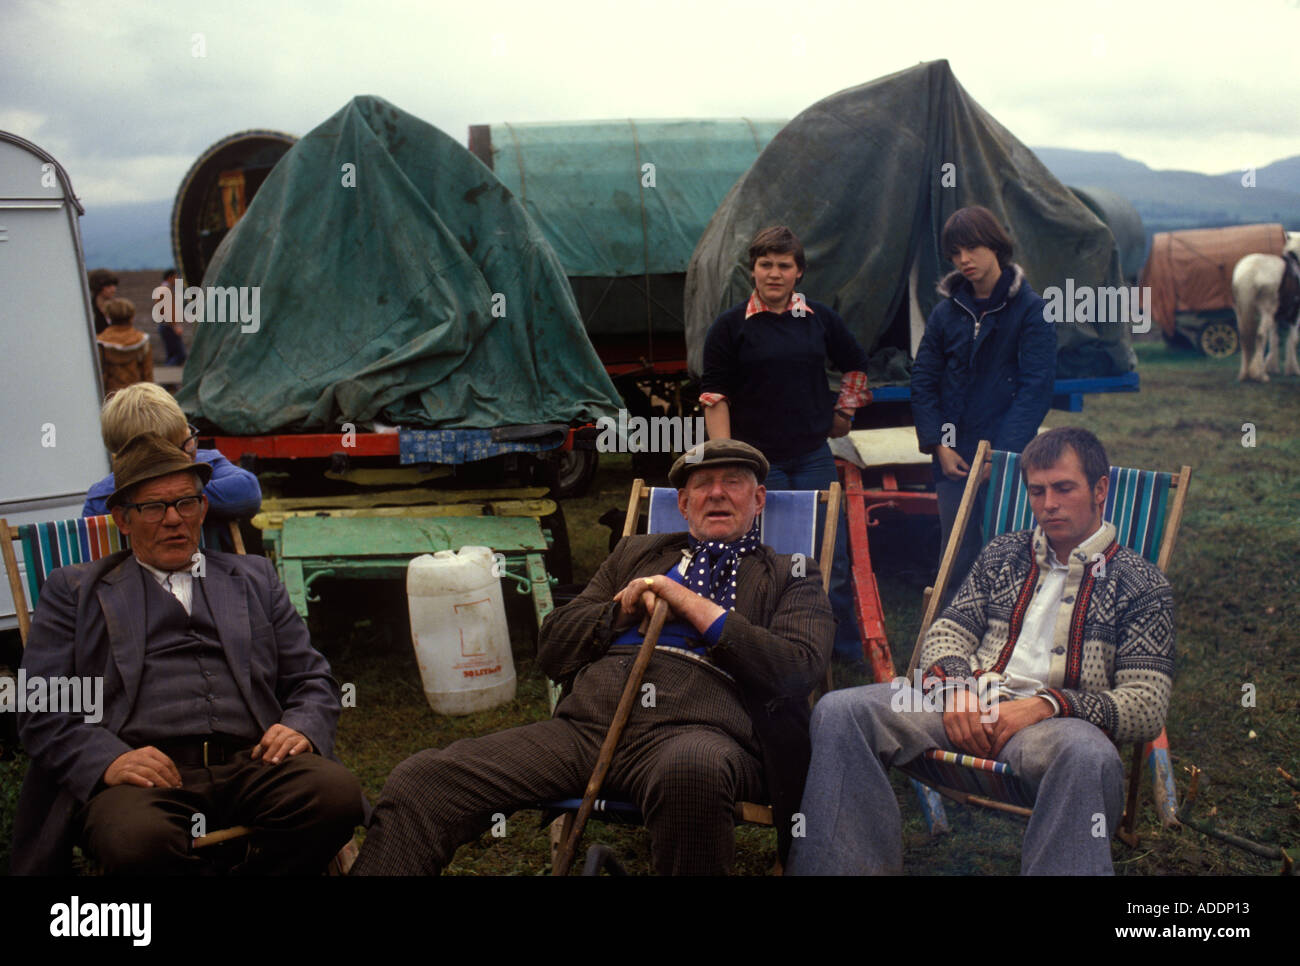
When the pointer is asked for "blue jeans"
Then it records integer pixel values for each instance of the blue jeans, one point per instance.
(172, 344)
(852, 821)
(816, 471)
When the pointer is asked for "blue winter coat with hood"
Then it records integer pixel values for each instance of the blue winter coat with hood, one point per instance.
(990, 376)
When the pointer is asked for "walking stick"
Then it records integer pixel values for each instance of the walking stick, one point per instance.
(565, 859)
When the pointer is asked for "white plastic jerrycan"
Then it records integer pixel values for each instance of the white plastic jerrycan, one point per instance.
(458, 626)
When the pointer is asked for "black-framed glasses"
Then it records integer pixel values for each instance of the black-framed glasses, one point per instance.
(153, 512)
(191, 444)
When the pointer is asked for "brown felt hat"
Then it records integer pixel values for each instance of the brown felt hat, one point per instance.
(147, 457)
(717, 452)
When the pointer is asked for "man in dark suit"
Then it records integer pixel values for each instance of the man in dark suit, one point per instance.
(722, 716)
(216, 708)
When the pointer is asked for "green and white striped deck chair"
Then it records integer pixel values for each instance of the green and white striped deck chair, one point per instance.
(51, 544)
(47, 546)
(1146, 508)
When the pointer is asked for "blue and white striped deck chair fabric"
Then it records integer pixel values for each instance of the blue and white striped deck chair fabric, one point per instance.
(788, 523)
(1138, 504)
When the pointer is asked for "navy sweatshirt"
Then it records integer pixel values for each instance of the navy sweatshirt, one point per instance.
(772, 369)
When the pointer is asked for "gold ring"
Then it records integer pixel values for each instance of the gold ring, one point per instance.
(649, 581)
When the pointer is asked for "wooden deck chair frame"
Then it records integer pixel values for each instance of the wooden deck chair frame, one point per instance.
(751, 813)
(1156, 750)
(10, 535)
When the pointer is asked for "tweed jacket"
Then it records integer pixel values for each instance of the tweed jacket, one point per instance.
(775, 644)
(1113, 657)
(89, 622)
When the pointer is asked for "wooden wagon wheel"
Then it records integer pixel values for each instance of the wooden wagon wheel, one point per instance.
(1218, 340)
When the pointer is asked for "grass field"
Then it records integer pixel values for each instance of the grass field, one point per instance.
(1235, 586)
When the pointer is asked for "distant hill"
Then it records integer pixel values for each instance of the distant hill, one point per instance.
(138, 236)
(1169, 200)
(128, 237)
(1283, 175)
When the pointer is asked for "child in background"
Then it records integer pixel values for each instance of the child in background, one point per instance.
(124, 353)
(148, 408)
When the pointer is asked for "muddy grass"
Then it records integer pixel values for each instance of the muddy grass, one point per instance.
(1235, 584)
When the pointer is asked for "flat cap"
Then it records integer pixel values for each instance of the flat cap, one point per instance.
(718, 452)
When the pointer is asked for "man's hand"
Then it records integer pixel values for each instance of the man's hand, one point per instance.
(963, 725)
(840, 425)
(951, 463)
(147, 767)
(638, 599)
(1011, 716)
(278, 742)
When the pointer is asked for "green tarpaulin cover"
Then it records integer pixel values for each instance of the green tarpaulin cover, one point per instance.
(398, 280)
(867, 177)
(627, 197)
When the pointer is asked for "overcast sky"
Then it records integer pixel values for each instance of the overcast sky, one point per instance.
(128, 93)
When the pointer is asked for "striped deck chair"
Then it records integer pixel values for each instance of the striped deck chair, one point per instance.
(52, 544)
(47, 546)
(1146, 508)
(788, 524)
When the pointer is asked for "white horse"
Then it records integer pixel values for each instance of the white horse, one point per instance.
(1255, 282)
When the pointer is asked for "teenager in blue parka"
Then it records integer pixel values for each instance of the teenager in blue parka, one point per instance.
(984, 369)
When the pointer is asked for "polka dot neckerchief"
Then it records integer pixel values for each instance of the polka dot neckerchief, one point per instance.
(711, 570)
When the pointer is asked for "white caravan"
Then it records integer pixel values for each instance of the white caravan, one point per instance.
(50, 393)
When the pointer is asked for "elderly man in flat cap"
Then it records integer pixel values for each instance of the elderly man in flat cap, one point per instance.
(746, 642)
(216, 711)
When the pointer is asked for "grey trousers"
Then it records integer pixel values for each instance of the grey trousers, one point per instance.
(852, 822)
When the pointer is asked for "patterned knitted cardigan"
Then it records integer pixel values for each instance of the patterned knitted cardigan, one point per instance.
(1113, 650)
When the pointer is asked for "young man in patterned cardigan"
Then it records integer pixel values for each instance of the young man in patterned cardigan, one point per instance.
(1059, 644)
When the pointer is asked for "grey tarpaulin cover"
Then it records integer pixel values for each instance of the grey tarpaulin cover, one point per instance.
(859, 177)
(399, 280)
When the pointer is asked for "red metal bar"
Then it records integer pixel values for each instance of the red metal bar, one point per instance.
(305, 445)
(663, 367)
(871, 618)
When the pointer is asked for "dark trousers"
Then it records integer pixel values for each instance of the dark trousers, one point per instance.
(684, 762)
(303, 811)
(948, 493)
(173, 345)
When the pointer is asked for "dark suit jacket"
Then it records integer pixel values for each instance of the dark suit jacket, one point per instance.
(89, 622)
(776, 644)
